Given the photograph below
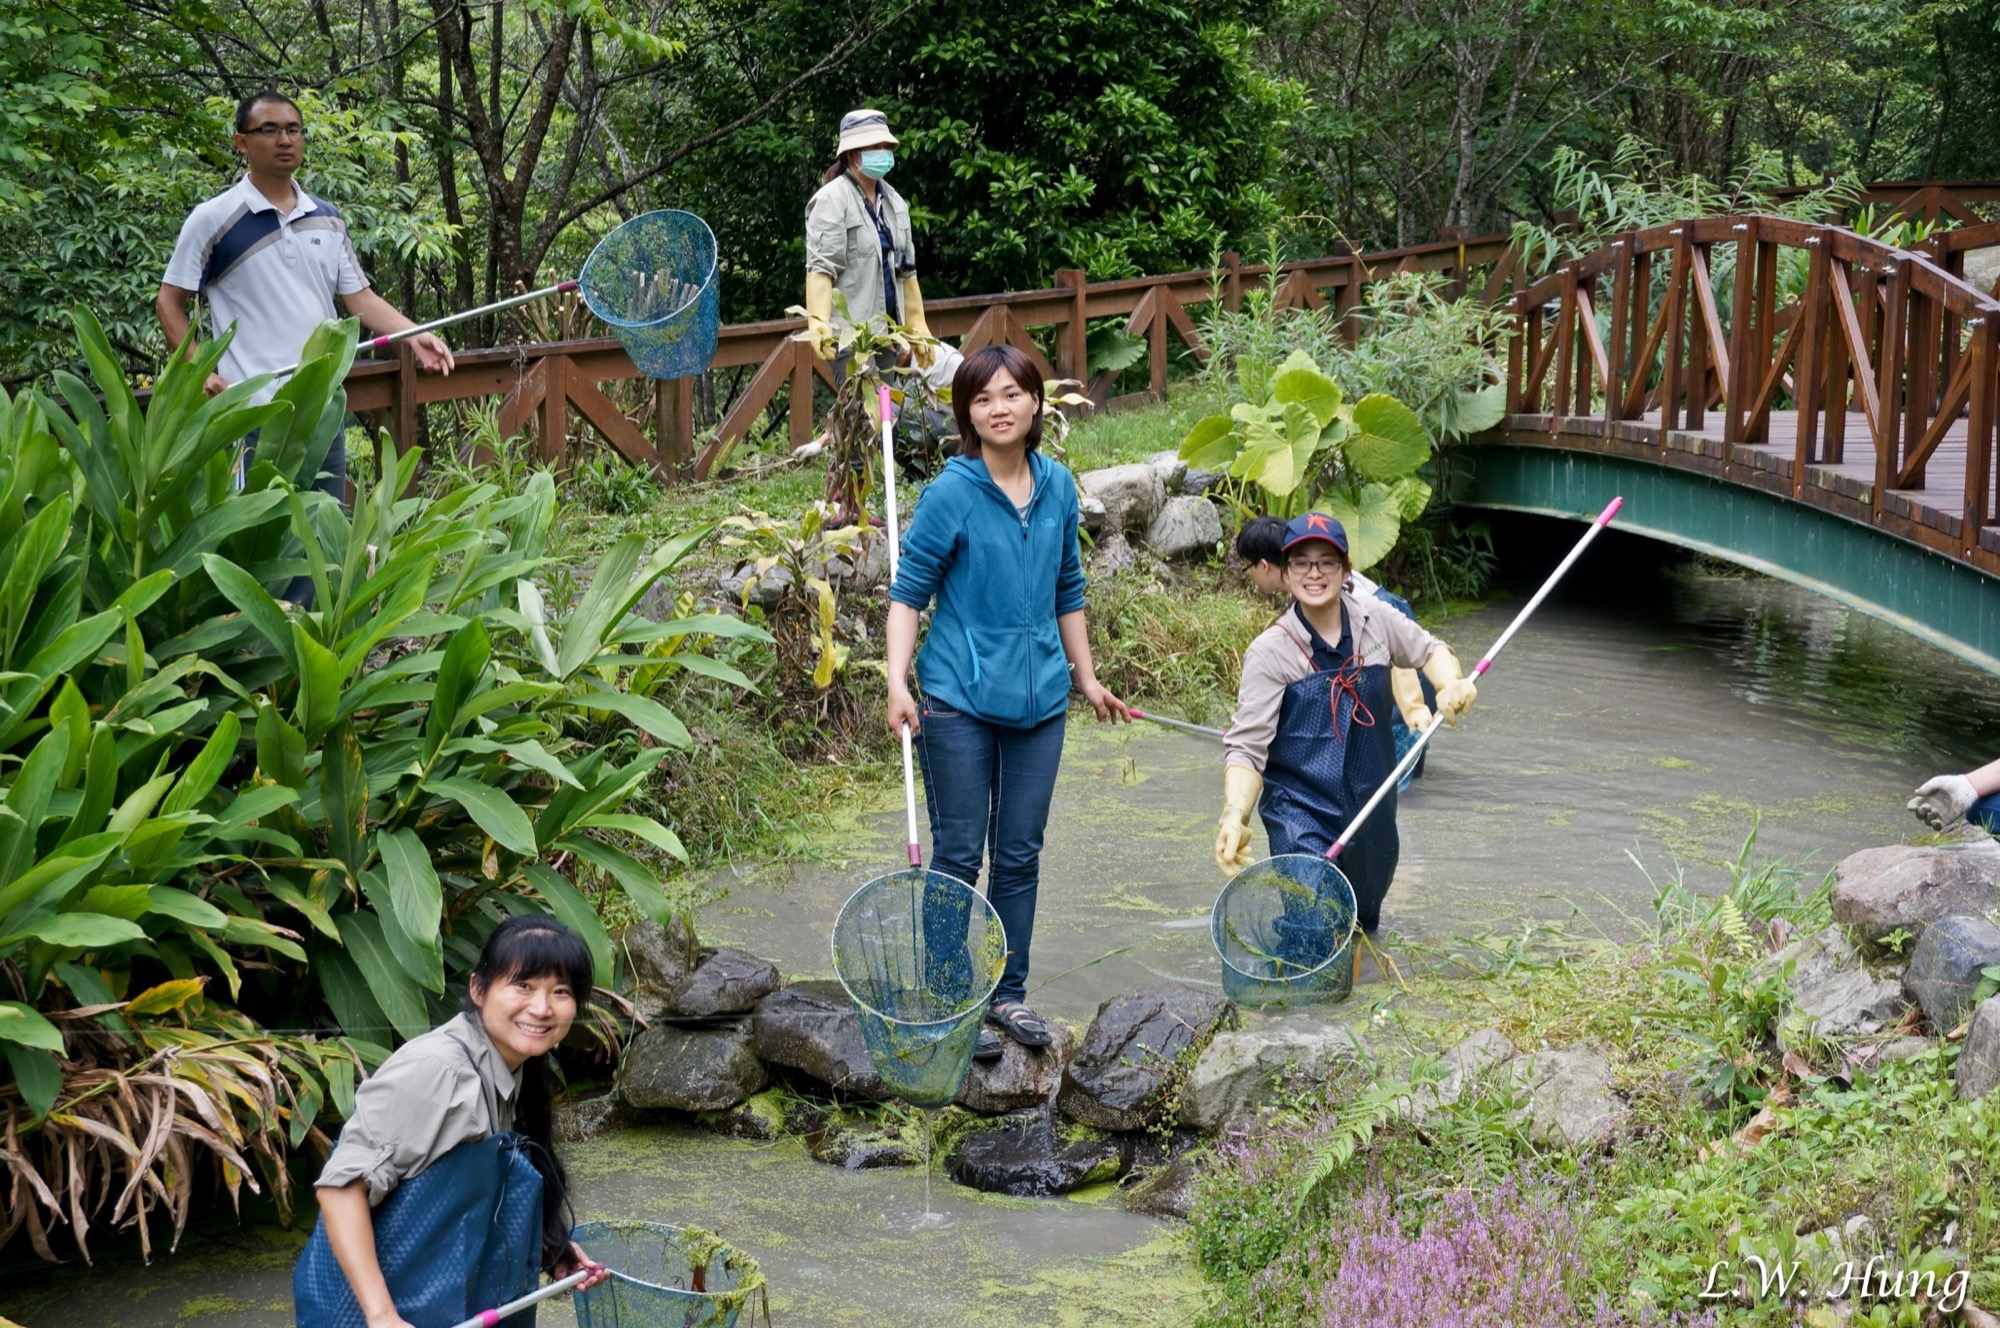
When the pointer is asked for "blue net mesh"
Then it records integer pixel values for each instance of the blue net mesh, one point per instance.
(654, 282)
(919, 953)
(663, 1277)
(1284, 928)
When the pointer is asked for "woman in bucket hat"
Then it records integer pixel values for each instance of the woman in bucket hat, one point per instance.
(858, 233)
(1311, 740)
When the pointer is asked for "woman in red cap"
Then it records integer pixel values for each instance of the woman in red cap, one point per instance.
(1311, 740)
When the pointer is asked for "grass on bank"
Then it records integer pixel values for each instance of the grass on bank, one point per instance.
(1732, 1150)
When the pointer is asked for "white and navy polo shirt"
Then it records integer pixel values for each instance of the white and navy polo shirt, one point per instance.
(271, 275)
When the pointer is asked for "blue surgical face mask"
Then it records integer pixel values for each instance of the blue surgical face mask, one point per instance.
(877, 162)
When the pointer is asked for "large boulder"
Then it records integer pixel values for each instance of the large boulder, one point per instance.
(1130, 1058)
(1132, 495)
(660, 959)
(1879, 891)
(1244, 1069)
(1112, 555)
(1832, 992)
(725, 982)
(1569, 1096)
(860, 1145)
(1478, 1050)
(591, 1118)
(811, 1027)
(1185, 528)
(691, 1069)
(1090, 514)
(1979, 1058)
(1022, 1077)
(1948, 965)
(1170, 468)
(1168, 1191)
(1033, 1155)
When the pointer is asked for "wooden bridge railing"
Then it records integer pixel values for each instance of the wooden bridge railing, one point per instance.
(1685, 340)
(543, 383)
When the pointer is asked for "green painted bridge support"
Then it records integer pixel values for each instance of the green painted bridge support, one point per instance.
(1946, 603)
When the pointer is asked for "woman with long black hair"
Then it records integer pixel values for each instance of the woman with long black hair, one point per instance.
(463, 1113)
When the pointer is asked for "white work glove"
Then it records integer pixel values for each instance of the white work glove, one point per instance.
(1943, 801)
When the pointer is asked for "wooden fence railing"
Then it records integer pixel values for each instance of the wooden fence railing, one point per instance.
(543, 383)
(1690, 335)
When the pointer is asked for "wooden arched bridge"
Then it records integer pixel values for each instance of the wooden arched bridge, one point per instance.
(1787, 395)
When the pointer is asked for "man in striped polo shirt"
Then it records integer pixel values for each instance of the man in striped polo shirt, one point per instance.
(269, 258)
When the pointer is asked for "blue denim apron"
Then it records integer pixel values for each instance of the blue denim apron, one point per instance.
(1333, 749)
(461, 1236)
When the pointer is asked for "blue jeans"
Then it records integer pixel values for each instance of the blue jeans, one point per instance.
(988, 788)
(1985, 813)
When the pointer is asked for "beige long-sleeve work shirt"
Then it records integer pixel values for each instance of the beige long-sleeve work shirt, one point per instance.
(842, 242)
(427, 1099)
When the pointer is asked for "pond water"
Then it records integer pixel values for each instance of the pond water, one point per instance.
(1652, 710)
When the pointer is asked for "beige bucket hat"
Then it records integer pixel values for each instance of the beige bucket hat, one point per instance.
(864, 129)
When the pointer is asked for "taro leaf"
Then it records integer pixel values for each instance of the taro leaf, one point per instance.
(1211, 444)
(1476, 412)
(1300, 381)
(1111, 349)
(166, 997)
(1372, 524)
(1412, 496)
(576, 913)
(19, 1023)
(1391, 442)
(86, 931)
(491, 809)
(415, 892)
(37, 1075)
(393, 990)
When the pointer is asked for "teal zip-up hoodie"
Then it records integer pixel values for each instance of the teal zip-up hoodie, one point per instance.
(1001, 578)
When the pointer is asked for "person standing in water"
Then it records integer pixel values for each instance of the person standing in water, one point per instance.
(1309, 743)
(993, 541)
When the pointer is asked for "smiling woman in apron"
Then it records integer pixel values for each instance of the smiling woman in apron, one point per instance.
(1311, 740)
(442, 1197)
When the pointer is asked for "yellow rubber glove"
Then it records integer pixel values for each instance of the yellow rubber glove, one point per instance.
(819, 311)
(1455, 692)
(914, 320)
(1409, 694)
(1241, 787)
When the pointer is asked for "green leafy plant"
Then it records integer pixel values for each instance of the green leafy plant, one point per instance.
(1296, 444)
(802, 559)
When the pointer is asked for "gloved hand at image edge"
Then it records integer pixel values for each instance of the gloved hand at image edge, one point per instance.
(1241, 788)
(1409, 695)
(819, 308)
(1455, 691)
(1943, 801)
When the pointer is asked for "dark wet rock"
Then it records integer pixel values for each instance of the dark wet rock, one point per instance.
(1185, 528)
(691, 1069)
(1168, 1191)
(1569, 1095)
(1170, 468)
(811, 1027)
(581, 1121)
(860, 1145)
(726, 982)
(660, 959)
(761, 1116)
(1022, 1077)
(1034, 1155)
(766, 591)
(1879, 891)
(1131, 495)
(1979, 1058)
(1250, 1066)
(1121, 1077)
(1946, 967)
(1202, 482)
(1833, 994)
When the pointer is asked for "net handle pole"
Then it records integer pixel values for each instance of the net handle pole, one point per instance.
(1181, 724)
(1411, 757)
(391, 338)
(487, 1318)
(895, 559)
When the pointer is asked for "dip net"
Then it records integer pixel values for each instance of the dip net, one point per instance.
(1284, 929)
(653, 282)
(665, 1277)
(919, 953)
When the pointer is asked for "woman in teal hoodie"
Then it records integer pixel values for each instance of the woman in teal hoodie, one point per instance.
(993, 541)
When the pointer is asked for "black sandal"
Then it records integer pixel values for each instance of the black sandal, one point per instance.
(988, 1049)
(1017, 1021)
